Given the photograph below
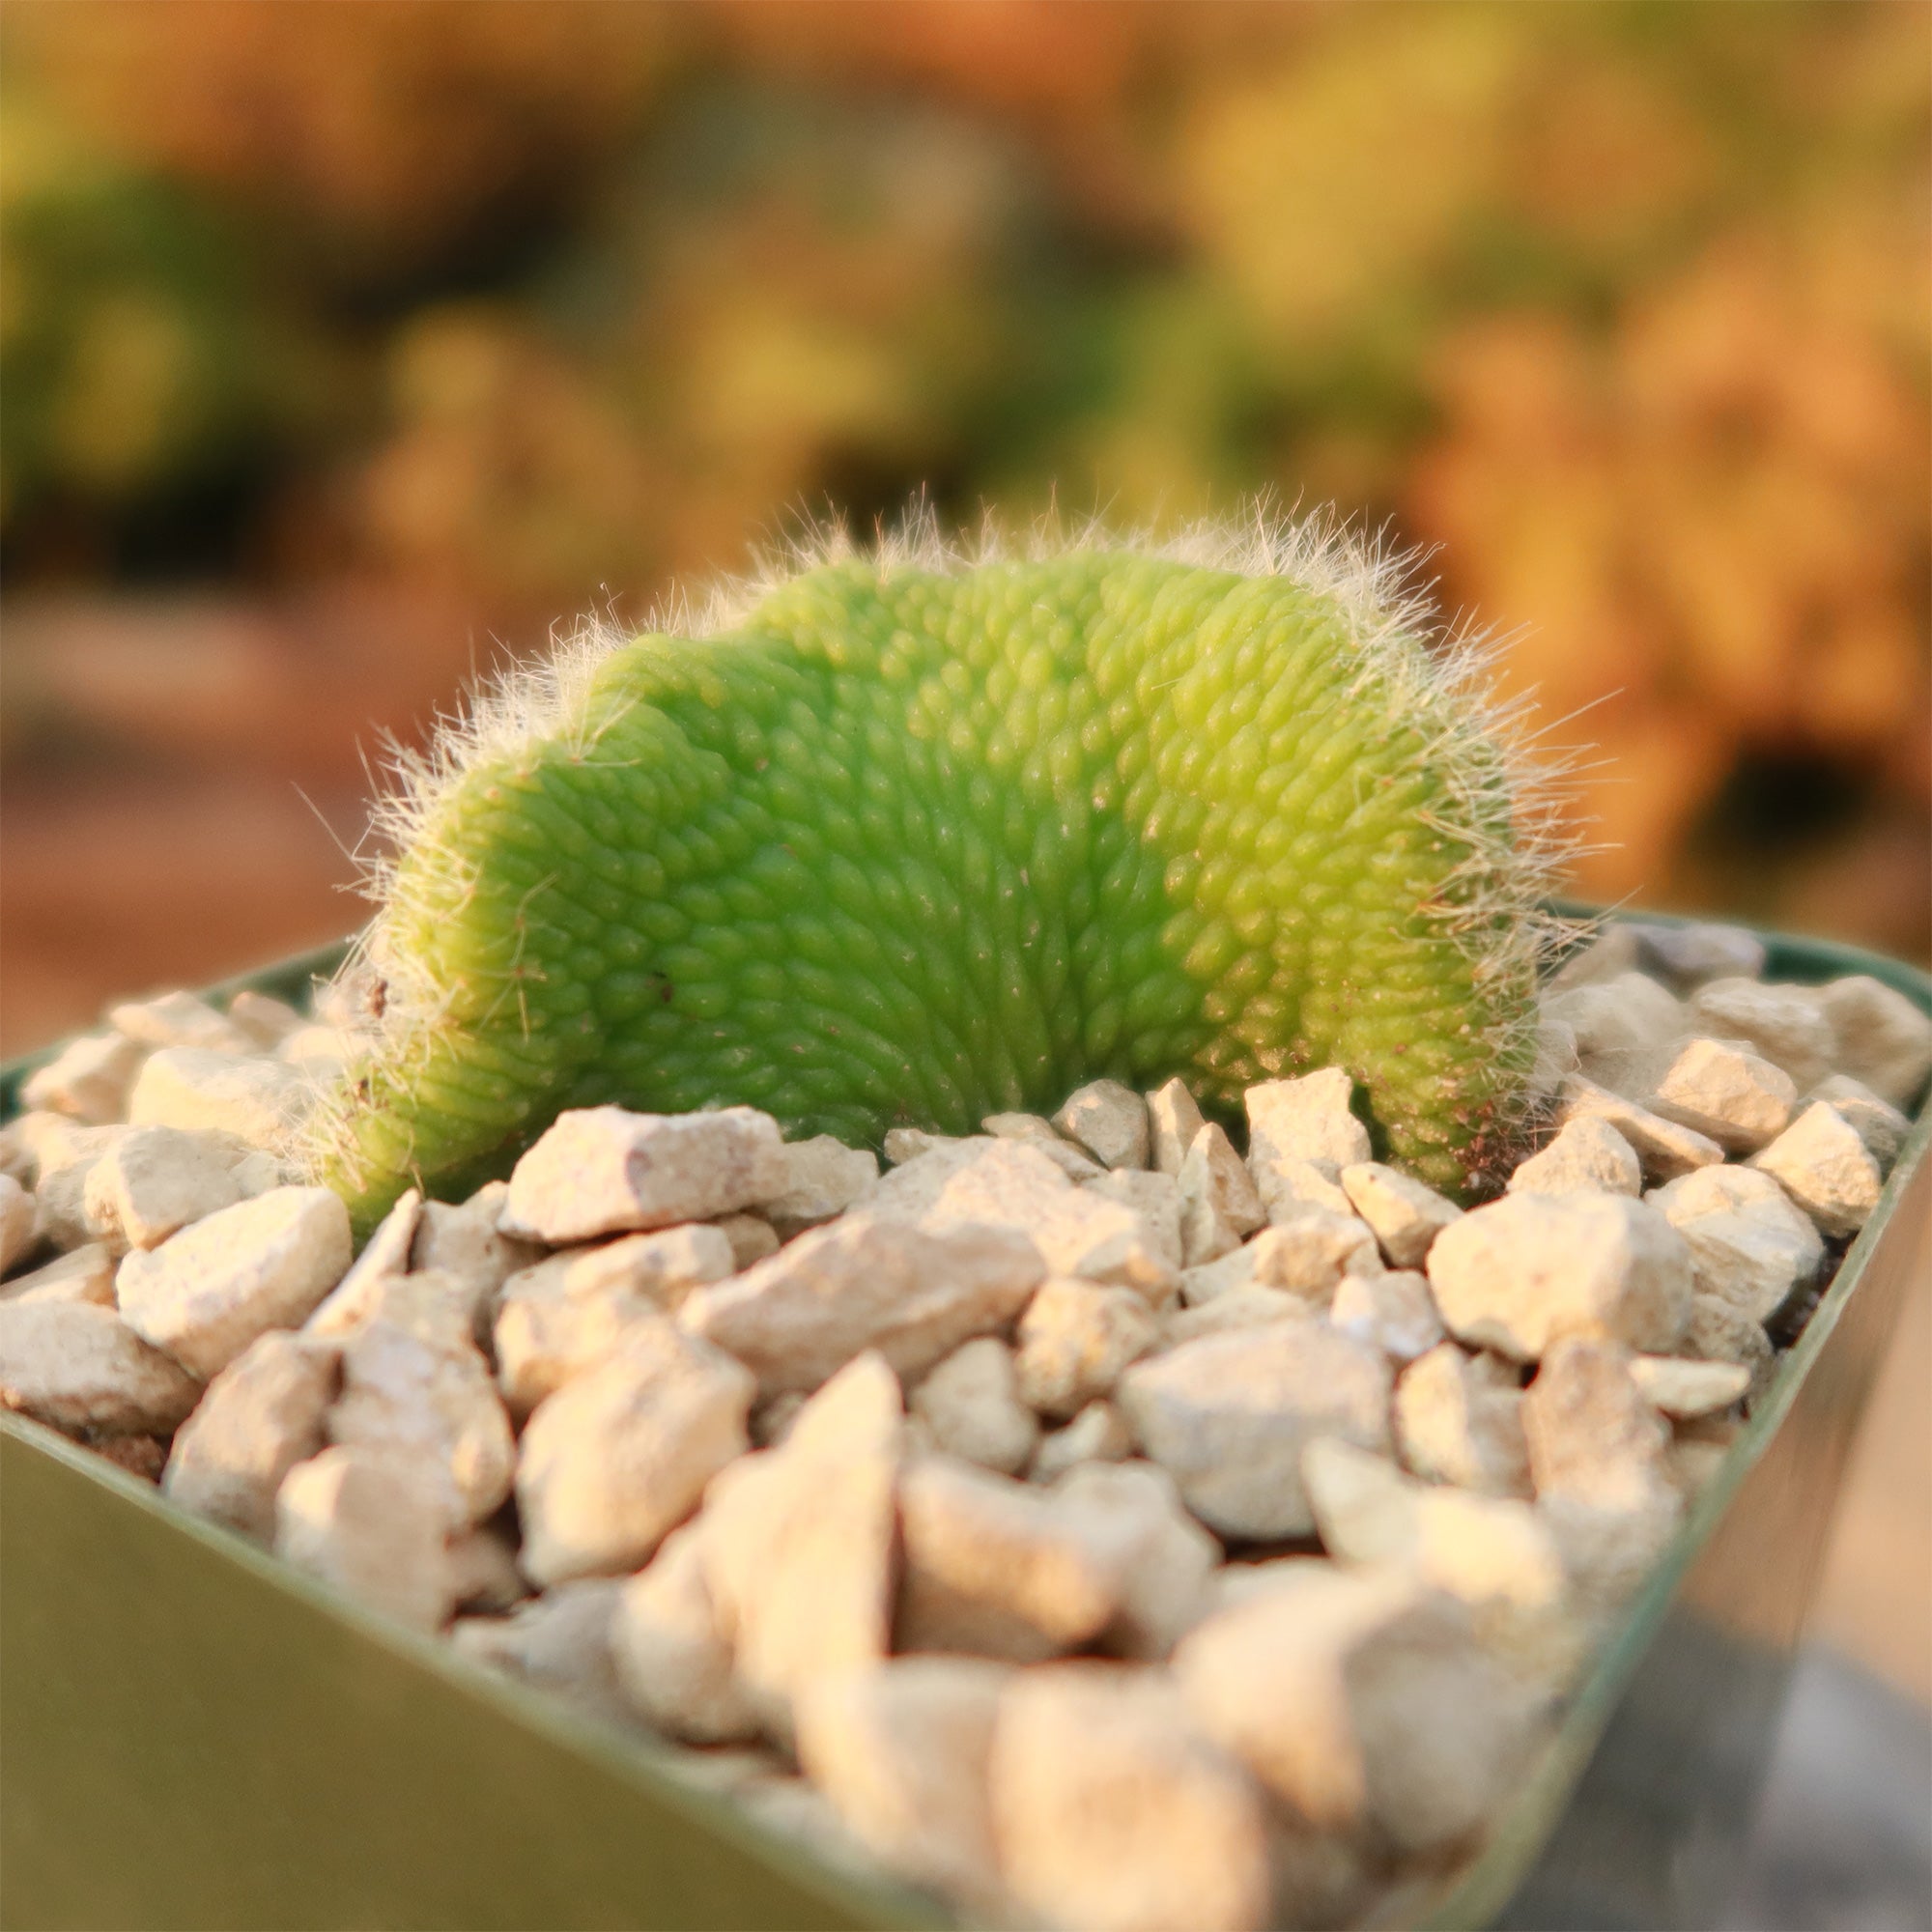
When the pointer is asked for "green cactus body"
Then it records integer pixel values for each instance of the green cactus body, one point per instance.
(911, 844)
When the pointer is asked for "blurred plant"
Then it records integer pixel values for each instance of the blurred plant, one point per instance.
(1722, 508)
(1624, 306)
(1637, 304)
(135, 361)
(400, 141)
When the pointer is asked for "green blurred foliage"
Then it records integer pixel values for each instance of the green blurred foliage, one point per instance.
(136, 359)
(1624, 304)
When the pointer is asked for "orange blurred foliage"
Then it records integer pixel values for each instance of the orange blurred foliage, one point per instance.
(1719, 512)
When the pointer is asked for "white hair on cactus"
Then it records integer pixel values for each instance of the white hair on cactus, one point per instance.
(1438, 676)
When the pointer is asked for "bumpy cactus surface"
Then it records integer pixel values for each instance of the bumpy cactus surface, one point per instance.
(914, 835)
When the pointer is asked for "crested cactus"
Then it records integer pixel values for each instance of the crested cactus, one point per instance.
(916, 835)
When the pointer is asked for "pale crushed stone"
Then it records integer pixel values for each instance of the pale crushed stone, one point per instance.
(774, 1610)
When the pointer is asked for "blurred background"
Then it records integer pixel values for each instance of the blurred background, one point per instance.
(349, 348)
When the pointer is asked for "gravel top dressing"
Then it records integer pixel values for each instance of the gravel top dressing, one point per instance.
(1180, 1493)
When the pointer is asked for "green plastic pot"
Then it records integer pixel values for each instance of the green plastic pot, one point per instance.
(192, 1735)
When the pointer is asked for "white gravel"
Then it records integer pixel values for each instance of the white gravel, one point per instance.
(1034, 1412)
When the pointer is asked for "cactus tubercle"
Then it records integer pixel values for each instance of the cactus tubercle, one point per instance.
(918, 834)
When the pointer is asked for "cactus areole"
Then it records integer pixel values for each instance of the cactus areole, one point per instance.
(913, 835)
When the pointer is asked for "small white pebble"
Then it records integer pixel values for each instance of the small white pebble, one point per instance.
(1733, 1095)
(428, 1303)
(1289, 1187)
(349, 1305)
(1693, 1465)
(1206, 1236)
(61, 1218)
(1405, 1214)
(481, 1565)
(1586, 1155)
(800, 1314)
(603, 1171)
(1075, 1339)
(1720, 1331)
(904, 1144)
(205, 1293)
(1164, 1559)
(994, 1568)
(258, 1172)
(545, 1334)
(661, 1267)
(88, 1080)
(1621, 1024)
(1307, 1118)
(1109, 1121)
(17, 1163)
(16, 1222)
(1392, 1312)
(620, 1454)
(799, 1542)
(1361, 1698)
(1228, 1416)
(77, 1366)
(152, 1183)
(82, 1274)
(1307, 1256)
(429, 1397)
(1748, 1243)
(1877, 1037)
(1155, 1201)
(1220, 1205)
(820, 1177)
(1685, 1390)
(1685, 956)
(1666, 1149)
(1312, 1252)
(1457, 1419)
(191, 1087)
(1787, 1024)
(1721, 1190)
(266, 1020)
(1555, 1061)
(1593, 1435)
(180, 1019)
(370, 1526)
(1242, 1307)
(1031, 1130)
(990, 1184)
(1114, 1813)
(1880, 1126)
(1098, 1434)
(1518, 1273)
(261, 1415)
(559, 1642)
(467, 1239)
(1614, 948)
(1174, 1119)
(901, 1752)
(1821, 1162)
(50, 1142)
(752, 1239)
(971, 1403)
(671, 1656)
(1495, 1553)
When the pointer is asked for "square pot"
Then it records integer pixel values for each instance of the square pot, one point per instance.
(194, 1735)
